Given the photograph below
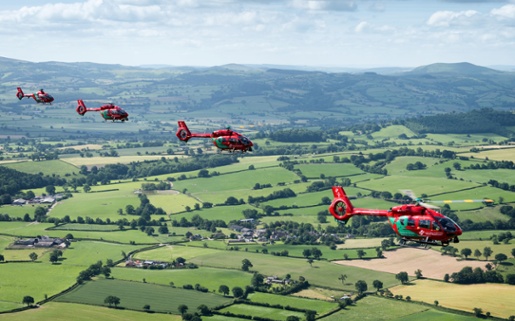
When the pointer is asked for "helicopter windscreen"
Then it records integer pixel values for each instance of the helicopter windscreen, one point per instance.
(244, 140)
(447, 224)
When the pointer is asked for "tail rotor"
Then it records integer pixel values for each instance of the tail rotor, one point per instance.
(20, 94)
(183, 133)
(81, 107)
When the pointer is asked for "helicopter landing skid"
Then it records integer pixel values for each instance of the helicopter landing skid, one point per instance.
(425, 241)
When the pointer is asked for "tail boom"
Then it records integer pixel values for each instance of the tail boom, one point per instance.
(342, 209)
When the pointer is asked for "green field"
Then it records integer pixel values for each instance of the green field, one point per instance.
(270, 313)
(205, 276)
(51, 167)
(134, 295)
(219, 262)
(328, 170)
(59, 311)
(321, 306)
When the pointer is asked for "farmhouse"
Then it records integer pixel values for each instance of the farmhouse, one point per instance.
(40, 241)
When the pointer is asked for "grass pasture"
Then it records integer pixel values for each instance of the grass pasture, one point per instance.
(494, 298)
(22, 280)
(480, 245)
(322, 307)
(482, 235)
(134, 295)
(47, 167)
(237, 181)
(102, 204)
(425, 185)
(328, 170)
(224, 213)
(373, 308)
(207, 277)
(16, 211)
(85, 227)
(264, 312)
(494, 154)
(267, 264)
(59, 311)
(437, 315)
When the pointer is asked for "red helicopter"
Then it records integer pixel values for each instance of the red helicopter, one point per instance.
(41, 97)
(414, 222)
(108, 111)
(224, 139)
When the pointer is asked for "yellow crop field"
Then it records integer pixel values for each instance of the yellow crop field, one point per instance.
(492, 297)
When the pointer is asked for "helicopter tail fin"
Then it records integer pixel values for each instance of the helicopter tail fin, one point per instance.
(20, 94)
(81, 107)
(341, 207)
(183, 133)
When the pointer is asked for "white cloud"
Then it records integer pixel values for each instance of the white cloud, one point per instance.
(506, 11)
(448, 18)
(325, 5)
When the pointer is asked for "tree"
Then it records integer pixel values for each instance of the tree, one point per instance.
(224, 289)
(237, 292)
(106, 271)
(146, 307)
(257, 279)
(292, 318)
(28, 300)
(513, 252)
(402, 276)
(204, 309)
(361, 286)
(487, 252)
(112, 300)
(39, 213)
(478, 312)
(310, 315)
(86, 188)
(54, 257)
(466, 252)
(2, 258)
(418, 273)
(246, 265)
(477, 253)
(499, 257)
(306, 253)
(377, 284)
(33, 256)
(342, 278)
(384, 244)
(316, 253)
(361, 253)
(183, 308)
(50, 189)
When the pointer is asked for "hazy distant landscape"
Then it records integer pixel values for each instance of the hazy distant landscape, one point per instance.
(179, 231)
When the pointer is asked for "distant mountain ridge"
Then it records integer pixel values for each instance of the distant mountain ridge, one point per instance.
(463, 68)
(298, 96)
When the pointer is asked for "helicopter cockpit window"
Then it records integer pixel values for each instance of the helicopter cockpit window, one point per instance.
(447, 224)
(244, 140)
(411, 222)
(424, 223)
(233, 140)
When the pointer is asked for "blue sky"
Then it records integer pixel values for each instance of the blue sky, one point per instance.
(339, 33)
